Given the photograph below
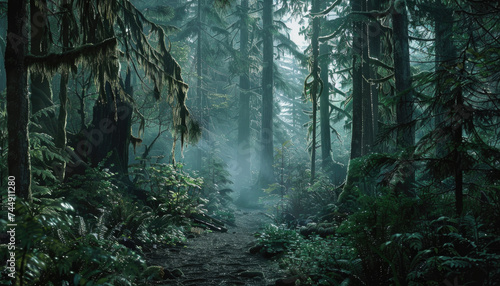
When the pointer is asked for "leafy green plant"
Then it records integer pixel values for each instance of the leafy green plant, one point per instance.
(56, 247)
(92, 192)
(325, 261)
(170, 190)
(275, 240)
(450, 249)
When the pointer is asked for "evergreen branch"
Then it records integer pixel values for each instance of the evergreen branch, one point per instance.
(343, 70)
(327, 10)
(340, 110)
(339, 91)
(332, 35)
(381, 80)
(54, 61)
(375, 13)
(376, 62)
(421, 39)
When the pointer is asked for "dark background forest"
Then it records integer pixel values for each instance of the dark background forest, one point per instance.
(367, 130)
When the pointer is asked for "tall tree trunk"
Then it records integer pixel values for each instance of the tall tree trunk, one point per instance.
(357, 84)
(41, 93)
(61, 139)
(357, 99)
(316, 83)
(367, 109)
(199, 82)
(17, 97)
(449, 100)
(3, 84)
(404, 109)
(266, 175)
(108, 138)
(457, 153)
(324, 105)
(445, 56)
(244, 104)
(374, 35)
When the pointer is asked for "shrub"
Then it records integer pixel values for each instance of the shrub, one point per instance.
(276, 240)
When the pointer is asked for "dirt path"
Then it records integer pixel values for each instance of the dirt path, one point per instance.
(220, 258)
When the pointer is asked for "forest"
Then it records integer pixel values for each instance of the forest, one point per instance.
(250, 142)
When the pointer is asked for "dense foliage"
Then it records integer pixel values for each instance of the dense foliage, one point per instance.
(368, 129)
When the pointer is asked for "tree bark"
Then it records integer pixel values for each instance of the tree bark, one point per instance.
(404, 109)
(449, 100)
(244, 103)
(457, 153)
(41, 92)
(357, 99)
(367, 109)
(445, 57)
(324, 105)
(199, 82)
(61, 138)
(357, 85)
(374, 35)
(108, 138)
(316, 83)
(3, 83)
(266, 175)
(17, 97)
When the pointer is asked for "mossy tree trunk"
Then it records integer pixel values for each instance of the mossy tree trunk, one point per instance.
(367, 104)
(17, 97)
(404, 108)
(41, 92)
(374, 46)
(266, 175)
(357, 99)
(449, 111)
(108, 137)
(357, 85)
(324, 105)
(244, 103)
(61, 139)
(445, 57)
(315, 85)
(199, 84)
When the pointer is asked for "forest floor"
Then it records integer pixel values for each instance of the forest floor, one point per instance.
(220, 258)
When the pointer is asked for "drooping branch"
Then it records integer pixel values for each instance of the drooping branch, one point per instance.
(54, 62)
(158, 65)
(334, 34)
(327, 10)
(376, 62)
(381, 80)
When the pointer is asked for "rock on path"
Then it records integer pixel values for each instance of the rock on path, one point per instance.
(220, 258)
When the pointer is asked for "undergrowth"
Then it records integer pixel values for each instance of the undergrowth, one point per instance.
(90, 231)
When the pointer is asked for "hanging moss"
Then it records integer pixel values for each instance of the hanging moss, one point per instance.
(103, 54)
(159, 66)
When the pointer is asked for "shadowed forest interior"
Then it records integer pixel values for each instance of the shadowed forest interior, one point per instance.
(242, 142)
